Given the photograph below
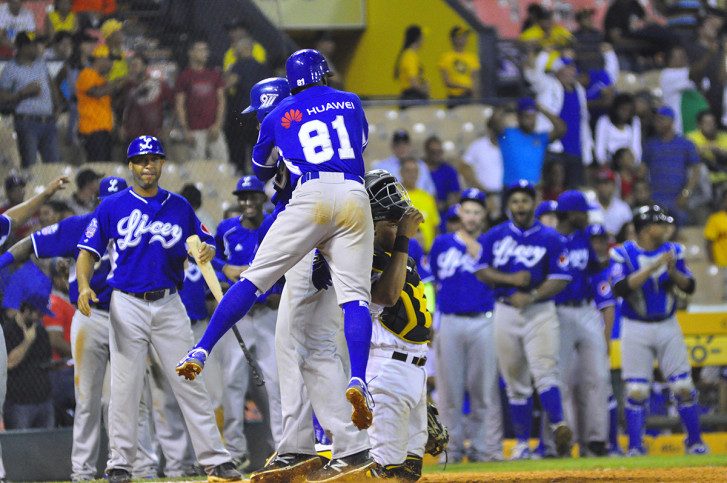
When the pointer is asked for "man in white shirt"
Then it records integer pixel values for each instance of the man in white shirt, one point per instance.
(401, 149)
(14, 18)
(615, 212)
(481, 164)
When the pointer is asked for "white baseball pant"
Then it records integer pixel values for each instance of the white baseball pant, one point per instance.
(466, 361)
(135, 325)
(399, 389)
(312, 361)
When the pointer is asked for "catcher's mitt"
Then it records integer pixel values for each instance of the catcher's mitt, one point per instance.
(438, 435)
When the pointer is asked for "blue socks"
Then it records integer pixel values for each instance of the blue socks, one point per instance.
(552, 404)
(236, 303)
(635, 422)
(357, 329)
(689, 413)
(612, 422)
(521, 411)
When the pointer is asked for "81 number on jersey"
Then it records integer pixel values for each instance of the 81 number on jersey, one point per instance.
(315, 138)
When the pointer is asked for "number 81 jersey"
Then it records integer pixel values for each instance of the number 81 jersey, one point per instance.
(318, 129)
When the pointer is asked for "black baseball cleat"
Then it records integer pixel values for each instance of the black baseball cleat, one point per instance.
(348, 468)
(117, 475)
(287, 468)
(224, 473)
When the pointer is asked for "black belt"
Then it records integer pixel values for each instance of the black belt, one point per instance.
(466, 314)
(152, 295)
(575, 303)
(33, 117)
(417, 361)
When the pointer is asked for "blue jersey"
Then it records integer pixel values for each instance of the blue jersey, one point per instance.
(655, 299)
(60, 240)
(582, 261)
(149, 237)
(236, 243)
(599, 284)
(423, 268)
(194, 293)
(459, 290)
(318, 129)
(539, 249)
(5, 225)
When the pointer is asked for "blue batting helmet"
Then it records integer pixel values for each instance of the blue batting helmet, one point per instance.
(266, 94)
(145, 145)
(305, 67)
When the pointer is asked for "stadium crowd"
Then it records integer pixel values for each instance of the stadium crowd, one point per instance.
(572, 130)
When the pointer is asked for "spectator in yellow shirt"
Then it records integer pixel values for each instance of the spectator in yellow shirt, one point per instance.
(715, 234)
(61, 19)
(711, 145)
(422, 201)
(546, 33)
(460, 70)
(237, 30)
(408, 69)
(111, 31)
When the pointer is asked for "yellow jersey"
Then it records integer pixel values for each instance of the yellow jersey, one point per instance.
(459, 67)
(559, 36)
(258, 53)
(59, 25)
(410, 65)
(425, 203)
(703, 147)
(716, 231)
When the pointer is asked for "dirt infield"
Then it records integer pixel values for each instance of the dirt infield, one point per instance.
(695, 474)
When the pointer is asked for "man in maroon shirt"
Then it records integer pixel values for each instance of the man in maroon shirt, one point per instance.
(146, 100)
(200, 104)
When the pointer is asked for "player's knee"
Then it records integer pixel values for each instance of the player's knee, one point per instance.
(682, 387)
(637, 391)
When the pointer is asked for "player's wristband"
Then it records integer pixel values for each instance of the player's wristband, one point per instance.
(401, 244)
(6, 259)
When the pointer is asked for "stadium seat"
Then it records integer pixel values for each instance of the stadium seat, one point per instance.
(709, 283)
(476, 113)
(376, 114)
(693, 240)
(628, 82)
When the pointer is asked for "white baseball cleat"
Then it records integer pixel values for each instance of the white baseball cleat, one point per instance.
(521, 451)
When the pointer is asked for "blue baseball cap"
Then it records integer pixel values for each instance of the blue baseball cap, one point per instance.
(526, 104)
(110, 186)
(573, 200)
(30, 285)
(522, 185)
(473, 194)
(249, 183)
(545, 207)
(596, 230)
(666, 111)
(452, 212)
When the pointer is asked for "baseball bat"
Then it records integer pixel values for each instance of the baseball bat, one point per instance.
(193, 242)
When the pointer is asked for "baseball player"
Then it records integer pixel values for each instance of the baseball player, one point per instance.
(582, 335)
(90, 347)
(18, 215)
(237, 239)
(527, 265)
(645, 273)
(545, 213)
(147, 226)
(321, 134)
(311, 354)
(465, 347)
(401, 332)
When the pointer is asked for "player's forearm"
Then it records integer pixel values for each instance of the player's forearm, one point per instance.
(494, 277)
(388, 289)
(18, 253)
(22, 212)
(84, 269)
(549, 288)
(609, 316)
(636, 280)
(685, 283)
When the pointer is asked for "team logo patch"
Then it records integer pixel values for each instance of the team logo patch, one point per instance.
(563, 261)
(617, 270)
(206, 230)
(113, 185)
(267, 100)
(91, 228)
(145, 144)
(292, 115)
(49, 230)
(604, 289)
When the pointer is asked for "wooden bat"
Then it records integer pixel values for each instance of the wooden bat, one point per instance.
(193, 242)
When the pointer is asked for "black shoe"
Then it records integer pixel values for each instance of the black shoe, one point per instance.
(224, 473)
(117, 475)
(241, 463)
(287, 468)
(597, 448)
(348, 468)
